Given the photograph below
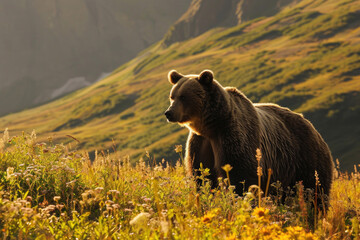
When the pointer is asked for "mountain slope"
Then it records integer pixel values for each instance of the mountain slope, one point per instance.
(44, 44)
(306, 57)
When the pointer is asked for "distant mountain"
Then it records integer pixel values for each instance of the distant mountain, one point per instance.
(203, 15)
(305, 57)
(44, 43)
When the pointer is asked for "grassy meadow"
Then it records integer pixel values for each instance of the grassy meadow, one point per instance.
(51, 191)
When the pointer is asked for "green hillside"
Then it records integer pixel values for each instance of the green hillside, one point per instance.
(307, 58)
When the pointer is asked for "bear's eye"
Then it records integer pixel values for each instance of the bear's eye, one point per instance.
(182, 98)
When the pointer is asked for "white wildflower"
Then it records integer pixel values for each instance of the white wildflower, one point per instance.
(6, 135)
(164, 227)
(2, 144)
(57, 198)
(9, 172)
(33, 134)
(140, 220)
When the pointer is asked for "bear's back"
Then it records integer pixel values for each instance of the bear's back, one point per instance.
(292, 146)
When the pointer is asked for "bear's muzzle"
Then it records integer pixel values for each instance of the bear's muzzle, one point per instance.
(170, 116)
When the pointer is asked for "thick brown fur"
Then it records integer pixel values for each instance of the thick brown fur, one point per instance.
(227, 128)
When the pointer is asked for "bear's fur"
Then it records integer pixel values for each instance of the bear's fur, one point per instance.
(227, 128)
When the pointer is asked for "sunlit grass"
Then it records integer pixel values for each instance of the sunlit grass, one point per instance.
(49, 191)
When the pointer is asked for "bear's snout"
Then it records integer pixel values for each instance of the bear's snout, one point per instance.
(169, 116)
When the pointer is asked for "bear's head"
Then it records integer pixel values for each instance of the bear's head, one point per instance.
(188, 96)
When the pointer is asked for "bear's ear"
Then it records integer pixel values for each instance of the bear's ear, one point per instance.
(174, 76)
(206, 77)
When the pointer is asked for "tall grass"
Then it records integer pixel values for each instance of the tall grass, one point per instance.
(50, 191)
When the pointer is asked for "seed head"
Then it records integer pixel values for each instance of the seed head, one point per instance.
(178, 148)
(258, 154)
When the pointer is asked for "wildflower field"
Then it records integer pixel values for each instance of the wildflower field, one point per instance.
(51, 191)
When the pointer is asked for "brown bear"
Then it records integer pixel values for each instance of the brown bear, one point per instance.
(227, 128)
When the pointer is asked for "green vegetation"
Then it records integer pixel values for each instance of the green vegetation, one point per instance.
(307, 58)
(50, 191)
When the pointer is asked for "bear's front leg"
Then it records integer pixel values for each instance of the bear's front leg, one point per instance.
(199, 150)
(243, 164)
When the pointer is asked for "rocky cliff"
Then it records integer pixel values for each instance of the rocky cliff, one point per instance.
(46, 43)
(203, 15)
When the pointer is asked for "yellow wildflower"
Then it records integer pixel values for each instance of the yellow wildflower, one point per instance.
(231, 237)
(297, 232)
(227, 168)
(260, 213)
(207, 218)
